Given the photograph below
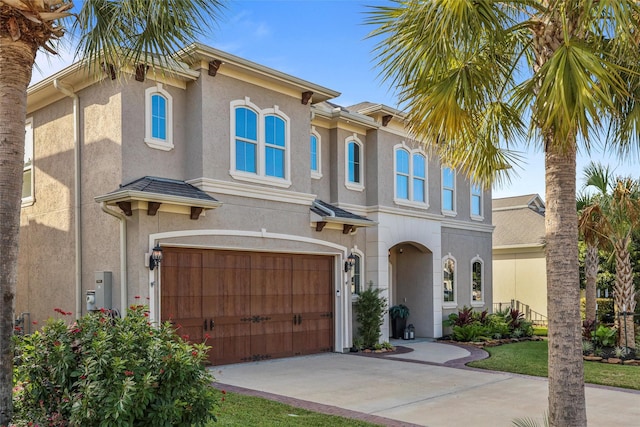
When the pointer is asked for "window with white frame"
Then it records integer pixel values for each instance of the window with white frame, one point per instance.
(158, 118)
(448, 191)
(477, 281)
(27, 172)
(356, 275)
(411, 176)
(354, 164)
(476, 201)
(315, 151)
(259, 144)
(449, 279)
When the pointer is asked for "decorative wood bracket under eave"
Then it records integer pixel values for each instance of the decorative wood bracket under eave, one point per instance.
(324, 215)
(306, 97)
(128, 201)
(214, 66)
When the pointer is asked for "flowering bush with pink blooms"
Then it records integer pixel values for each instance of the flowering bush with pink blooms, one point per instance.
(106, 371)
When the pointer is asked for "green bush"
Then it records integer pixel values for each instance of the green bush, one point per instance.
(605, 336)
(471, 332)
(370, 311)
(104, 371)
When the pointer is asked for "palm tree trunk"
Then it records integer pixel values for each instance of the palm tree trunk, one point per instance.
(624, 295)
(16, 63)
(566, 381)
(591, 272)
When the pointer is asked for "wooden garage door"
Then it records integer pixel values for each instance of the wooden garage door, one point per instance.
(253, 306)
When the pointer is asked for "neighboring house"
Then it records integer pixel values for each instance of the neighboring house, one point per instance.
(257, 189)
(519, 264)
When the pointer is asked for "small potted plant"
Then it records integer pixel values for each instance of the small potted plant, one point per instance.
(399, 314)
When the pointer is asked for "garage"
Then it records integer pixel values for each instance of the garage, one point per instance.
(252, 306)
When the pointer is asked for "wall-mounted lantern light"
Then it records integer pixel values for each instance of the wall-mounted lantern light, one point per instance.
(155, 258)
(349, 263)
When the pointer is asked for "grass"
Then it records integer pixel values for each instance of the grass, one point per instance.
(241, 410)
(530, 358)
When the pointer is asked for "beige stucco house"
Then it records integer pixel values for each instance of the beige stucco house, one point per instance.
(519, 266)
(257, 189)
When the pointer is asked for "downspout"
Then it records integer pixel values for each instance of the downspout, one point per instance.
(68, 91)
(124, 286)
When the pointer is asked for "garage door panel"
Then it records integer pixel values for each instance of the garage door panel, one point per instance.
(253, 306)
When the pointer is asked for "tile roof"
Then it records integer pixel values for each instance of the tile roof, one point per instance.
(166, 187)
(513, 201)
(327, 210)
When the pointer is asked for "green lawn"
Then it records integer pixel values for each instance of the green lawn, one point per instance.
(241, 410)
(530, 358)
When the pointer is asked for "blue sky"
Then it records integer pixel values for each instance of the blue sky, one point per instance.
(325, 42)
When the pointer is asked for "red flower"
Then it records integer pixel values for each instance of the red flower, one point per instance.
(68, 313)
(224, 391)
(185, 337)
(194, 353)
(56, 343)
(128, 373)
(83, 377)
(137, 297)
(146, 314)
(103, 310)
(35, 322)
(206, 336)
(59, 310)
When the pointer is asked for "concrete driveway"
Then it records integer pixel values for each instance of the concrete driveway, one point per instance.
(425, 387)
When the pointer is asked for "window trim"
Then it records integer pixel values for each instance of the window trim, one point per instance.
(355, 186)
(358, 253)
(316, 173)
(448, 212)
(480, 302)
(474, 216)
(410, 202)
(156, 143)
(260, 176)
(454, 303)
(29, 139)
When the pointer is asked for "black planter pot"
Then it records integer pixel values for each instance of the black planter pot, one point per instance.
(397, 326)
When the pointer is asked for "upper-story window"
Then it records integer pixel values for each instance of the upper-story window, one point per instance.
(448, 191)
(315, 150)
(274, 142)
(411, 176)
(27, 172)
(259, 144)
(477, 281)
(476, 202)
(354, 163)
(449, 278)
(158, 118)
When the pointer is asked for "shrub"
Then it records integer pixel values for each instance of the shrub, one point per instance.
(471, 332)
(109, 371)
(605, 336)
(370, 311)
(462, 318)
(588, 327)
(587, 347)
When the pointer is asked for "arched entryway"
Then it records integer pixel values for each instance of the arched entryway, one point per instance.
(411, 284)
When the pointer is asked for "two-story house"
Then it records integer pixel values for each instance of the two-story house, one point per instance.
(272, 206)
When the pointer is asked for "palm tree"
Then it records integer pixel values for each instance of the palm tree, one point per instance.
(619, 204)
(123, 33)
(593, 227)
(469, 72)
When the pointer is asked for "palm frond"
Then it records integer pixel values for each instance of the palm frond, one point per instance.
(131, 32)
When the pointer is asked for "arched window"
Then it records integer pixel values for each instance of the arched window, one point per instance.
(410, 176)
(354, 164)
(315, 152)
(274, 141)
(449, 279)
(448, 191)
(259, 144)
(246, 139)
(476, 202)
(158, 118)
(477, 281)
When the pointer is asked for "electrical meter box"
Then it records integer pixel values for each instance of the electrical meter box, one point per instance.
(103, 290)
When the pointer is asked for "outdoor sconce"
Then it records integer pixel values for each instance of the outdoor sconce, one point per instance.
(155, 258)
(348, 264)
